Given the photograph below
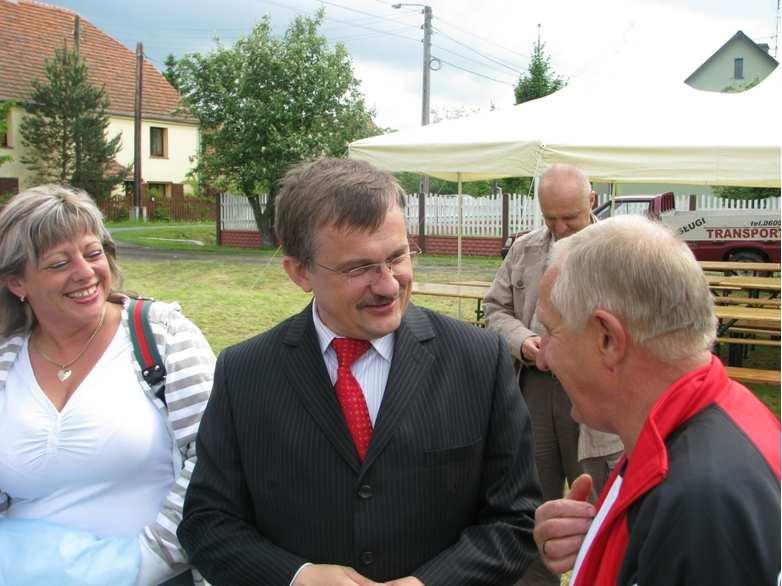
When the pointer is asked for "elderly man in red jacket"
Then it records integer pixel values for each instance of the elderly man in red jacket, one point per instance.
(629, 326)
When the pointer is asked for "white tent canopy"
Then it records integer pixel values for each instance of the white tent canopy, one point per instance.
(641, 132)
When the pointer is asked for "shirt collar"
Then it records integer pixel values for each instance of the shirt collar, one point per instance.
(383, 346)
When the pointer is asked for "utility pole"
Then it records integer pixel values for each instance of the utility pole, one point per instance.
(424, 185)
(137, 211)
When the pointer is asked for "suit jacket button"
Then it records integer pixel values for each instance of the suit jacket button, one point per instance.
(367, 557)
(365, 491)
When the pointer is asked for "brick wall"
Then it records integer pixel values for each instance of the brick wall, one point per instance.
(241, 238)
(471, 245)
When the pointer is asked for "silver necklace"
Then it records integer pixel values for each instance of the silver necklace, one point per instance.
(65, 369)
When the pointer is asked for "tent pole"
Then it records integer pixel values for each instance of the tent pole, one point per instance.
(613, 196)
(459, 242)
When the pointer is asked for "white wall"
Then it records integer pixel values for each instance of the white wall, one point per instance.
(182, 149)
(183, 142)
(14, 168)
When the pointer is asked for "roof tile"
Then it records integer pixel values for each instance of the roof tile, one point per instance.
(30, 32)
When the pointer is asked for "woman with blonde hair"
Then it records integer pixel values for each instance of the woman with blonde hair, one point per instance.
(94, 461)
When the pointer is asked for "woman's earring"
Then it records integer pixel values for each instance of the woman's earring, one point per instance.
(21, 299)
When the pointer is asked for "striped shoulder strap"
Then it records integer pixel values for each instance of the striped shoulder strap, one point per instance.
(144, 347)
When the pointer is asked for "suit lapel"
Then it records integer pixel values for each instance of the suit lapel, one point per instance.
(309, 378)
(411, 362)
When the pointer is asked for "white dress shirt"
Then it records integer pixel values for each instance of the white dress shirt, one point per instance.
(371, 370)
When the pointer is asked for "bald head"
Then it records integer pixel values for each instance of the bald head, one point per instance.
(566, 198)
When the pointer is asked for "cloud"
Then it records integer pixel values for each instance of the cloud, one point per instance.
(490, 39)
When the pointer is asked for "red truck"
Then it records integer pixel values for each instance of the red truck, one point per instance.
(728, 234)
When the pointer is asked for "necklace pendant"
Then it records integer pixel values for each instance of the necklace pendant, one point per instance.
(63, 374)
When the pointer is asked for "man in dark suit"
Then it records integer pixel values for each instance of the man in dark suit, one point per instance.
(364, 439)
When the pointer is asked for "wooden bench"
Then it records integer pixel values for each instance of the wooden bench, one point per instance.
(753, 375)
(755, 331)
(724, 288)
(749, 341)
(752, 301)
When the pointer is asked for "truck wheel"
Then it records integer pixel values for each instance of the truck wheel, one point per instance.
(746, 256)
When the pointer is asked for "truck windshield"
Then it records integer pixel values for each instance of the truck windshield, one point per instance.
(622, 208)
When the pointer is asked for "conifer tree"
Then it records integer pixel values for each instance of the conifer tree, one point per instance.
(65, 129)
(539, 80)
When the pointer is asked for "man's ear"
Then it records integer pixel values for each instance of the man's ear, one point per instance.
(611, 337)
(297, 272)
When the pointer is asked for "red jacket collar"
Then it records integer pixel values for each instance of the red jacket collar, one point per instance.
(649, 465)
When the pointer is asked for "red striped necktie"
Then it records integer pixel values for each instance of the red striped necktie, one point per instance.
(349, 393)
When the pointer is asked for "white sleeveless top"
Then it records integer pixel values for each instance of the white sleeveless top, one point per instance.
(103, 464)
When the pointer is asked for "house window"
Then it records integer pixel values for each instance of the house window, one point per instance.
(4, 138)
(158, 142)
(738, 68)
(158, 190)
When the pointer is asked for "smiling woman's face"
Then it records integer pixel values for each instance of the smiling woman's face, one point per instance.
(70, 283)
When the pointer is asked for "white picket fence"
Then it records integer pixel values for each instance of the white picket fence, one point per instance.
(236, 213)
(481, 216)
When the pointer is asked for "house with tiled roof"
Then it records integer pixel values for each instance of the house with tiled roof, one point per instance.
(735, 66)
(30, 31)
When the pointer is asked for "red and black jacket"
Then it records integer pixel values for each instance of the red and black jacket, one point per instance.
(700, 495)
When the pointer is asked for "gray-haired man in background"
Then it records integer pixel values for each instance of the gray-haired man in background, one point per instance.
(563, 449)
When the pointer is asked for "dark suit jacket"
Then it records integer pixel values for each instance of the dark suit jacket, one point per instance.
(447, 491)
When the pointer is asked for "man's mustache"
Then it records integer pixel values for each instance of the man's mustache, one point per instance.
(378, 300)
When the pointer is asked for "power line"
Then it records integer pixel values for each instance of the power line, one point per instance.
(395, 20)
(346, 22)
(488, 58)
(496, 44)
(471, 60)
(475, 73)
(364, 36)
(356, 10)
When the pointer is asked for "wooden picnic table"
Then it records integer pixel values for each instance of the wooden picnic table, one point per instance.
(763, 321)
(744, 300)
(735, 266)
(474, 292)
(486, 284)
(770, 284)
(767, 317)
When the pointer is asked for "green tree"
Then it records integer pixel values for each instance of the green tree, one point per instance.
(409, 181)
(5, 108)
(269, 102)
(170, 71)
(65, 130)
(729, 192)
(539, 80)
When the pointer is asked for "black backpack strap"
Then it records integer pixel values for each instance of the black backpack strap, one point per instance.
(144, 347)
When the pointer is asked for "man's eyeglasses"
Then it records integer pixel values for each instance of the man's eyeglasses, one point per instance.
(370, 274)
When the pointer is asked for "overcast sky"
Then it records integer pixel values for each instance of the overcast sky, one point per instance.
(481, 46)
